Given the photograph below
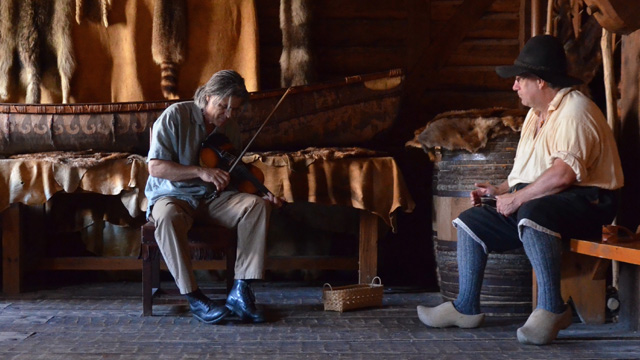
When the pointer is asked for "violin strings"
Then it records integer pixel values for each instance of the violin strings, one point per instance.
(259, 129)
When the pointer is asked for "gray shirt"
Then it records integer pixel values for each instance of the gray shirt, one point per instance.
(178, 134)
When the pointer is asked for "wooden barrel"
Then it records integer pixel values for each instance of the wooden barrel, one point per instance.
(506, 289)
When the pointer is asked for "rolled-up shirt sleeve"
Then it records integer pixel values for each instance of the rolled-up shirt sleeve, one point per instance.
(577, 145)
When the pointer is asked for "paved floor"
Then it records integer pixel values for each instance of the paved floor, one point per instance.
(103, 321)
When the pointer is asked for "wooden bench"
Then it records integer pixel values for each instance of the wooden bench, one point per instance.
(584, 270)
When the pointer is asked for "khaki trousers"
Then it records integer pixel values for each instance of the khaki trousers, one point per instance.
(247, 213)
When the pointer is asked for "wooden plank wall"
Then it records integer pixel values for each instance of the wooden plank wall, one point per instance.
(361, 36)
(629, 145)
(350, 37)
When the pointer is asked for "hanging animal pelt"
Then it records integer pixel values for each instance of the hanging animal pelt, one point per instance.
(169, 42)
(295, 62)
(7, 44)
(44, 40)
(85, 8)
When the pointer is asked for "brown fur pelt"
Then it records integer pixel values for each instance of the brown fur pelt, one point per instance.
(87, 8)
(295, 62)
(469, 129)
(43, 40)
(169, 42)
(7, 44)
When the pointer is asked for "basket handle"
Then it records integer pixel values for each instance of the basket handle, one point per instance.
(323, 289)
(373, 281)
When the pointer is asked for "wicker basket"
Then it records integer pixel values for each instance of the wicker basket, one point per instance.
(351, 297)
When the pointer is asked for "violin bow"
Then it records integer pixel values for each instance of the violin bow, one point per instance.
(233, 165)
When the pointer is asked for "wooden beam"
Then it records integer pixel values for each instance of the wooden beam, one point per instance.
(133, 263)
(311, 263)
(90, 263)
(628, 252)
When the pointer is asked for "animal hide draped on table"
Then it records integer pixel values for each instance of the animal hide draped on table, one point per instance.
(296, 61)
(43, 40)
(169, 42)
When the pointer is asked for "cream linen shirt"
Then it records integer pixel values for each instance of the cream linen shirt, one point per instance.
(576, 132)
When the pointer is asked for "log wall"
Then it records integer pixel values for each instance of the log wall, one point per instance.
(448, 50)
(362, 36)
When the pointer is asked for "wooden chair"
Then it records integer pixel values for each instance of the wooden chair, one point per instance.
(206, 243)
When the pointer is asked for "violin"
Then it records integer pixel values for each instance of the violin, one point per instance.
(216, 151)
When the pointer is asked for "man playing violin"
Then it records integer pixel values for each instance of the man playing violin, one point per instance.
(179, 192)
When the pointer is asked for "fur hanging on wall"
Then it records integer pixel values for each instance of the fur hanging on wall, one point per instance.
(86, 8)
(40, 33)
(7, 45)
(296, 65)
(43, 40)
(169, 42)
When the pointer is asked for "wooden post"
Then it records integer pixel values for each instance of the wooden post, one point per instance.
(536, 15)
(11, 250)
(368, 240)
(606, 43)
(549, 29)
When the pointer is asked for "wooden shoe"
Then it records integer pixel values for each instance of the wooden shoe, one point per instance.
(446, 315)
(542, 326)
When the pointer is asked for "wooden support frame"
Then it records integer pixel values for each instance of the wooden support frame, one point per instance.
(583, 281)
(584, 270)
(12, 242)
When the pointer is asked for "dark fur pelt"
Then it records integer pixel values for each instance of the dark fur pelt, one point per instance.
(296, 61)
(169, 42)
(43, 40)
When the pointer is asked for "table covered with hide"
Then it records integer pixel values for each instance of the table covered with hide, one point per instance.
(99, 149)
(354, 177)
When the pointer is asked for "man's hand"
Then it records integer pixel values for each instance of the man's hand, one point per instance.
(277, 202)
(483, 189)
(507, 204)
(216, 176)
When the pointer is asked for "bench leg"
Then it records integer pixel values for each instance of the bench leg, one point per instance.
(150, 279)
(583, 280)
(231, 263)
(11, 250)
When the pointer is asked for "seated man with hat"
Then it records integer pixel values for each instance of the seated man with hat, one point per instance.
(562, 185)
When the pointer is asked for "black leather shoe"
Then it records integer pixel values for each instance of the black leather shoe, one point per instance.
(241, 302)
(204, 309)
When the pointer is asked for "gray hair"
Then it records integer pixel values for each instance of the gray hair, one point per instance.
(223, 84)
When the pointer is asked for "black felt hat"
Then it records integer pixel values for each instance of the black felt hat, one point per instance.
(543, 56)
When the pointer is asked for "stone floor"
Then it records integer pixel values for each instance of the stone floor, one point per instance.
(96, 320)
